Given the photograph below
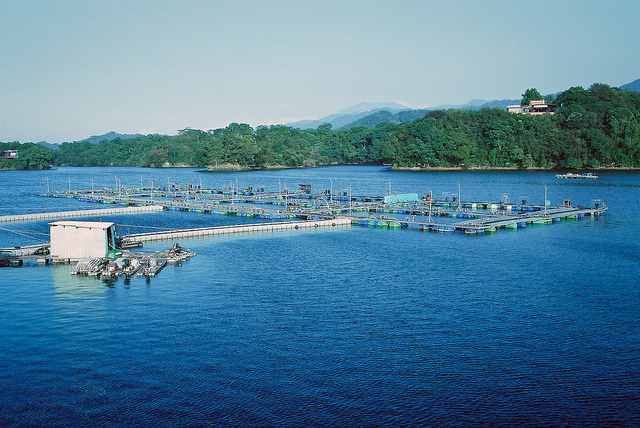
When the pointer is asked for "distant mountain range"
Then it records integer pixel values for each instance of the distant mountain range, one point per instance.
(109, 136)
(371, 114)
(633, 86)
(52, 146)
(94, 139)
(363, 114)
(349, 115)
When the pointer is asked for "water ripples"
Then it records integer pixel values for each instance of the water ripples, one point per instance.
(355, 327)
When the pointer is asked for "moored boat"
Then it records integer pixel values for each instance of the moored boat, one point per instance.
(473, 231)
(583, 176)
(155, 265)
(131, 268)
(130, 243)
(441, 228)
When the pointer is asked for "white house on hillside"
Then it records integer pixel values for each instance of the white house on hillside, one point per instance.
(534, 107)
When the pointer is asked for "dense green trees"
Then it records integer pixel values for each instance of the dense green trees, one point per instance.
(529, 95)
(30, 156)
(592, 128)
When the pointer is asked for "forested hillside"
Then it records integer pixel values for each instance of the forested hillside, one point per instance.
(594, 128)
(31, 156)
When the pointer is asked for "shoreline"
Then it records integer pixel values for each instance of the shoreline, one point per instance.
(507, 168)
(241, 168)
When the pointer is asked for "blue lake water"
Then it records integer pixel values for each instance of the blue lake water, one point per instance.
(335, 327)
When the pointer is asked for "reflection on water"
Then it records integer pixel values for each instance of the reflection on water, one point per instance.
(72, 289)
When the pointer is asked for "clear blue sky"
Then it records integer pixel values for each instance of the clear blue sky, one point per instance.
(72, 69)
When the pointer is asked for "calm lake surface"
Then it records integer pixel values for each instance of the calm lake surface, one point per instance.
(346, 327)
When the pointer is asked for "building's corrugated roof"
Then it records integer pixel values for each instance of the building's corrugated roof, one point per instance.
(84, 224)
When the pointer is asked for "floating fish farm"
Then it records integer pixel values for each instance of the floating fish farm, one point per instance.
(447, 215)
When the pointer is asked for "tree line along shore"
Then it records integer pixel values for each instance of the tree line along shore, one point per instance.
(595, 128)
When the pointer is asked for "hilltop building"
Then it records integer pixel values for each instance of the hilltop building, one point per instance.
(10, 154)
(534, 107)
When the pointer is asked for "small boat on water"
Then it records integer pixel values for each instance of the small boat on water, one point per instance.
(583, 176)
(151, 266)
(178, 254)
(474, 231)
(110, 270)
(97, 266)
(127, 243)
(441, 228)
(155, 266)
(131, 268)
(92, 266)
(116, 267)
(124, 263)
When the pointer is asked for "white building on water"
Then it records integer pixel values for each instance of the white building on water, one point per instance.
(74, 240)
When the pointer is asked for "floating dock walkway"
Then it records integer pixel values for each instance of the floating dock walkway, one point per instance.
(228, 230)
(482, 224)
(393, 211)
(312, 211)
(80, 213)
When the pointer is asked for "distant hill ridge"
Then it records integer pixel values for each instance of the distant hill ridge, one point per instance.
(349, 115)
(389, 112)
(109, 136)
(363, 114)
(633, 86)
(372, 114)
(373, 119)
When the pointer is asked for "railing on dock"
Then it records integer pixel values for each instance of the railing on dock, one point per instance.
(237, 229)
(79, 213)
(425, 214)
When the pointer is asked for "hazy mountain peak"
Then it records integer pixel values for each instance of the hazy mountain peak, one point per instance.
(632, 86)
(365, 107)
(477, 102)
(110, 136)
